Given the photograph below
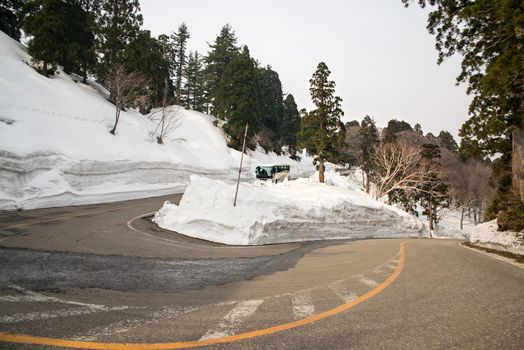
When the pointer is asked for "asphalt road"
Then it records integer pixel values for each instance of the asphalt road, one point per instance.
(82, 274)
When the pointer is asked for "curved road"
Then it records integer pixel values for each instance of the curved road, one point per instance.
(81, 277)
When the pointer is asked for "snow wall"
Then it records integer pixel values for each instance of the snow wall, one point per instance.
(486, 235)
(292, 211)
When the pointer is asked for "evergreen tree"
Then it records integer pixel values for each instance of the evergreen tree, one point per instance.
(195, 84)
(290, 123)
(168, 52)
(48, 31)
(368, 140)
(79, 46)
(145, 56)
(271, 101)
(434, 190)
(180, 60)
(394, 126)
(12, 14)
(221, 53)
(418, 129)
(237, 99)
(119, 25)
(446, 140)
(321, 131)
(62, 33)
(353, 123)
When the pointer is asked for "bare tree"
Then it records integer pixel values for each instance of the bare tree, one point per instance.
(410, 171)
(125, 88)
(469, 181)
(398, 166)
(167, 118)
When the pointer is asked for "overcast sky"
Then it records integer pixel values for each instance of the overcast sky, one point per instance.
(380, 54)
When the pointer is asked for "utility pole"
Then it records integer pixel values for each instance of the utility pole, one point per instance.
(240, 169)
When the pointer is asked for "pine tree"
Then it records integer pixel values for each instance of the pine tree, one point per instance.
(168, 52)
(12, 14)
(434, 190)
(418, 129)
(79, 55)
(321, 131)
(194, 87)
(237, 99)
(180, 60)
(221, 53)
(145, 56)
(62, 33)
(119, 25)
(446, 140)
(48, 30)
(368, 140)
(290, 123)
(271, 101)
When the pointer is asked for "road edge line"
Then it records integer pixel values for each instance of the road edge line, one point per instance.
(493, 255)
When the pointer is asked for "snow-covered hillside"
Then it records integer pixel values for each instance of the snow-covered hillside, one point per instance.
(298, 210)
(55, 148)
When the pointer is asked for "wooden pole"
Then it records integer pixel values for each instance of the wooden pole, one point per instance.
(240, 169)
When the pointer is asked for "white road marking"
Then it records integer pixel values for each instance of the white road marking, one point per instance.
(127, 325)
(31, 296)
(234, 319)
(368, 282)
(302, 305)
(379, 271)
(391, 266)
(494, 256)
(340, 290)
(34, 316)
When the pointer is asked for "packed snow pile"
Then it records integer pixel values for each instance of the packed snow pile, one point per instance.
(486, 235)
(297, 210)
(56, 149)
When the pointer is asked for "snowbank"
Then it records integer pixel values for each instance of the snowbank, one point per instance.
(486, 235)
(291, 211)
(55, 146)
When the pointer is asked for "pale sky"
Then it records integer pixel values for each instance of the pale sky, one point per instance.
(380, 54)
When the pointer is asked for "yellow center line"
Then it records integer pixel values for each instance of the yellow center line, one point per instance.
(29, 339)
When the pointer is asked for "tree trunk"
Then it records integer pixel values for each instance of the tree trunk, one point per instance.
(321, 171)
(430, 217)
(462, 219)
(45, 70)
(517, 162)
(117, 116)
(366, 185)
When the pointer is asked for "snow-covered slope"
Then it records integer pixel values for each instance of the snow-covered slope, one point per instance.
(291, 211)
(55, 148)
